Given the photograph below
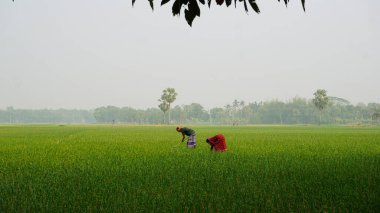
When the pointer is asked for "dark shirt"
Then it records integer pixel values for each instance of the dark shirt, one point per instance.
(187, 131)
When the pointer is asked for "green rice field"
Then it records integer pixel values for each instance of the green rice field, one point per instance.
(105, 168)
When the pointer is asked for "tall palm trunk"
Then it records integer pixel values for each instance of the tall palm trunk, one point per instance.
(169, 114)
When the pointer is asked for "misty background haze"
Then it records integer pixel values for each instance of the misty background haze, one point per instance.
(90, 53)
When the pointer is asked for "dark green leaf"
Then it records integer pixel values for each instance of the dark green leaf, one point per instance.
(164, 2)
(209, 3)
(228, 2)
(176, 9)
(254, 6)
(151, 3)
(303, 4)
(193, 7)
(190, 16)
(133, 2)
(202, 1)
(245, 6)
(219, 2)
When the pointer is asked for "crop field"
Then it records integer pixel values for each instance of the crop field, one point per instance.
(105, 168)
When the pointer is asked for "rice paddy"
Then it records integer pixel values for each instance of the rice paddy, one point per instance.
(76, 168)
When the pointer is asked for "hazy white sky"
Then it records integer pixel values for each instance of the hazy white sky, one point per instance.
(89, 53)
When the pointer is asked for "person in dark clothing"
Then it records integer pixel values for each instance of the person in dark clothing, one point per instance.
(190, 133)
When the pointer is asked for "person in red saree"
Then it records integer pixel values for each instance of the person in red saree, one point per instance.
(217, 143)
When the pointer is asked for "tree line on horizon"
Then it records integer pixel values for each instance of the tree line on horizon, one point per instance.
(296, 111)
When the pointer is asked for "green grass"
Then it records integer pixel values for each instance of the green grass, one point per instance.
(145, 168)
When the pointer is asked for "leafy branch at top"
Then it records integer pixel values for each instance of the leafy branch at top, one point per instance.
(192, 10)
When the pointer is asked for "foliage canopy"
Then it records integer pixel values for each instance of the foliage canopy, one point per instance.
(320, 99)
(192, 10)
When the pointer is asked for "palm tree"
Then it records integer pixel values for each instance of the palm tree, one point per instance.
(168, 96)
(320, 101)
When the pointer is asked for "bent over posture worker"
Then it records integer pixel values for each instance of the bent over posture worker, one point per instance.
(217, 143)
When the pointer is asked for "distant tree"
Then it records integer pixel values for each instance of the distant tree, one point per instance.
(338, 101)
(228, 110)
(241, 107)
(216, 115)
(108, 114)
(10, 109)
(164, 107)
(196, 113)
(168, 96)
(375, 108)
(242, 104)
(376, 116)
(192, 7)
(235, 111)
(320, 101)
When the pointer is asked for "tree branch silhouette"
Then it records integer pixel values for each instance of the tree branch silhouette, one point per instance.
(192, 10)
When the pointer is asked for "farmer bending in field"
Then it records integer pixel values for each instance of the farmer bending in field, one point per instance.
(191, 141)
(218, 143)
